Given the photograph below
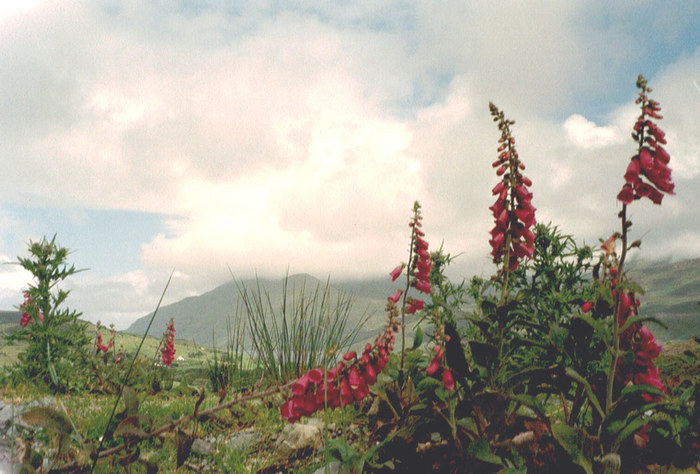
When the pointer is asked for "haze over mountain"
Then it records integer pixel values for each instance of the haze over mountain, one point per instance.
(672, 292)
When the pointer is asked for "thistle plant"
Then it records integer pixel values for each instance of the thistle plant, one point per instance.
(57, 342)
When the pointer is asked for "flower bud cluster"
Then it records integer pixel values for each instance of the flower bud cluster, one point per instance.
(27, 308)
(169, 350)
(651, 161)
(514, 215)
(348, 381)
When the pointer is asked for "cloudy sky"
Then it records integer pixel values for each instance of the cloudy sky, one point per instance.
(193, 136)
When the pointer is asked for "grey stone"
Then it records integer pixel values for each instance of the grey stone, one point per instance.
(243, 440)
(298, 436)
(332, 468)
(202, 447)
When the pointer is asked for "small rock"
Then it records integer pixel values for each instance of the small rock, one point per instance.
(243, 440)
(332, 468)
(202, 447)
(298, 436)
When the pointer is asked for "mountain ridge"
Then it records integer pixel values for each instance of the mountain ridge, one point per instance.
(672, 292)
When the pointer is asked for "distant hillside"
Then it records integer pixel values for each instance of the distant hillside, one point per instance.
(9, 317)
(197, 318)
(672, 293)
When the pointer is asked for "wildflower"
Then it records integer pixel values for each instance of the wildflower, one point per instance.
(513, 212)
(25, 319)
(395, 297)
(651, 159)
(169, 350)
(448, 380)
(101, 346)
(396, 272)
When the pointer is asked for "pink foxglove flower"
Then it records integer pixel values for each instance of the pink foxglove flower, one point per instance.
(168, 350)
(513, 212)
(647, 174)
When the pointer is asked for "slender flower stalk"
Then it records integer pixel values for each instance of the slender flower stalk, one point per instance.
(168, 350)
(650, 163)
(417, 275)
(512, 238)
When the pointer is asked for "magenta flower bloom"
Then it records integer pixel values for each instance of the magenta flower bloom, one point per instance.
(448, 380)
(396, 272)
(169, 350)
(650, 162)
(514, 215)
(395, 297)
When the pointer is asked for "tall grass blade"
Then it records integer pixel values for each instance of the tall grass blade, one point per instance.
(128, 373)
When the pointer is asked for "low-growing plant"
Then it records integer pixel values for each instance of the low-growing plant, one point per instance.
(231, 368)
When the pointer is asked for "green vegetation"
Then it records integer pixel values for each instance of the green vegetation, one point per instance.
(546, 366)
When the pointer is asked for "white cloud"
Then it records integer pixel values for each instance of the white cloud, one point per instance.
(289, 136)
(585, 134)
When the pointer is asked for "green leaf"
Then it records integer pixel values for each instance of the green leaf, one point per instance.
(641, 319)
(589, 391)
(130, 426)
(632, 427)
(340, 450)
(574, 440)
(131, 401)
(49, 419)
(418, 338)
(639, 389)
(481, 450)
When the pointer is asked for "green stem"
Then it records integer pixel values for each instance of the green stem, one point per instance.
(408, 285)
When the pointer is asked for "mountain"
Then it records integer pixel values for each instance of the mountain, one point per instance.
(9, 317)
(204, 318)
(672, 292)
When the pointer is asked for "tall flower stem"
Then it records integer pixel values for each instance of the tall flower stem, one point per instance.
(616, 313)
(411, 252)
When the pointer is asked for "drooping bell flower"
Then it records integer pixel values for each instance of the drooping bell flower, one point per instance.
(448, 380)
(396, 272)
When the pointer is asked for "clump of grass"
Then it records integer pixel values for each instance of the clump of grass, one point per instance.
(306, 331)
(230, 368)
